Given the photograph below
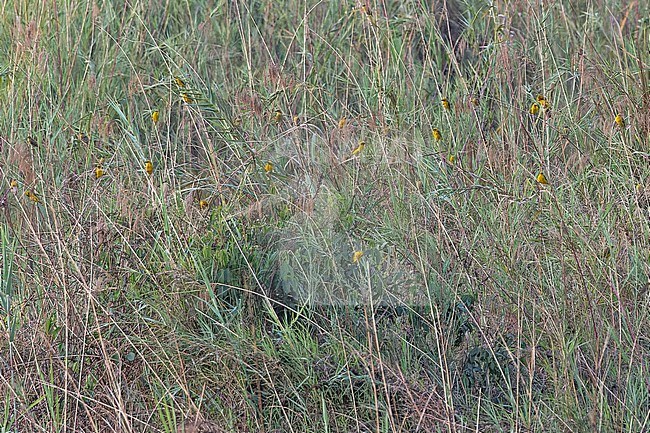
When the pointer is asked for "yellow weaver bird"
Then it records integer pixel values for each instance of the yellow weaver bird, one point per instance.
(31, 196)
(366, 9)
(359, 148)
(277, 116)
(99, 172)
(445, 104)
(268, 167)
(436, 134)
(543, 102)
(534, 109)
(155, 116)
(148, 167)
(356, 256)
(620, 122)
(542, 179)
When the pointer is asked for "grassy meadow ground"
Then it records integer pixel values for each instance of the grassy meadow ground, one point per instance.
(265, 273)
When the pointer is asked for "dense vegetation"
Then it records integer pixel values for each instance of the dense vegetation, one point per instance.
(325, 216)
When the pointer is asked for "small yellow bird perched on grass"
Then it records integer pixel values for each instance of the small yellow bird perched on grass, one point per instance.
(620, 122)
(534, 109)
(359, 148)
(148, 167)
(436, 134)
(31, 196)
(445, 104)
(542, 179)
(543, 102)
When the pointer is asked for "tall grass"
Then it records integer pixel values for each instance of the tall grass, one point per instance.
(226, 290)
